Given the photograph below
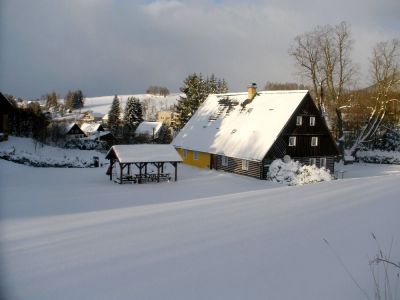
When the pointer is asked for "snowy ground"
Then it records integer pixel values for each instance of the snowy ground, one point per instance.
(73, 234)
(20, 148)
(101, 105)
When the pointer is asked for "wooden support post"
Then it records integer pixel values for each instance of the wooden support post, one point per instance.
(110, 168)
(176, 171)
(120, 173)
(162, 167)
(158, 172)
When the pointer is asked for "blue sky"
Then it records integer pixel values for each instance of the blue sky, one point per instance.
(107, 47)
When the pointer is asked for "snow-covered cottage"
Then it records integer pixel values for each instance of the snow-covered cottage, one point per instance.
(71, 131)
(92, 128)
(244, 132)
(151, 129)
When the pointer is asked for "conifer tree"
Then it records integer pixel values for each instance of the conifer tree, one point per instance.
(196, 90)
(129, 113)
(113, 115)
(74, 99)
(137, 113)
(77, 99)
(51, 100)
(68, 101)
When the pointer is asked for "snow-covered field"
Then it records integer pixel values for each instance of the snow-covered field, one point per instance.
(26, 150)
(101, 105)
(73, 234)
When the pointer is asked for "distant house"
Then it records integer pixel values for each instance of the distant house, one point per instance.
(6, 109)
(169, 118)
(87, 117)
(92, 128)
(151, 129)
(71, 131)
(244, 132)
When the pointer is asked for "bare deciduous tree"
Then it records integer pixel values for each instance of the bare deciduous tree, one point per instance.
(323, 56)
(385, 71)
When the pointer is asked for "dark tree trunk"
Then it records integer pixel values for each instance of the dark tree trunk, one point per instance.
(340, 136)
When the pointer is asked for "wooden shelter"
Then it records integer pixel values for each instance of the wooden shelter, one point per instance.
(126, 157)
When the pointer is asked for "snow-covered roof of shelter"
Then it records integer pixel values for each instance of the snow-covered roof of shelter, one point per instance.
(230, 125)
(144, 153)
(147, 128)
(90, 127)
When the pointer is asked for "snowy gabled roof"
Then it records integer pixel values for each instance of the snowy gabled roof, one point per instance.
(91, 127)
(223, 126)
(147, 128)
(144, 153)
(66, 128)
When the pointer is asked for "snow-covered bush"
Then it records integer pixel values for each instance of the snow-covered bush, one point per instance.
(86, 144)
(390, 141)
(293, 173)
(379, 157)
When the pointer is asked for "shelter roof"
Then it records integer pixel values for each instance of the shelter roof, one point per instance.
(141, 153)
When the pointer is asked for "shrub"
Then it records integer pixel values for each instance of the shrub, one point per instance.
(293, 173)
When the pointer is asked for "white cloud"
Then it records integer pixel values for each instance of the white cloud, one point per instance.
(107, 47)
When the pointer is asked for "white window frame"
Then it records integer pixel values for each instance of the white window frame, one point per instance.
(322, 162)
(195, 155)
(299, 120)
(312, 121)
(314, 141)
(313, 161)
(292, 141)
(224, 161)
(245, 165)
(184, 153)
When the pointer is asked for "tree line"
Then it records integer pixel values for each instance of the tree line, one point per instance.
(72, 100)
(157, 90)
(323, 57)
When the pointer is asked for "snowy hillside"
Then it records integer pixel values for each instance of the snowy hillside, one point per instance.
(26, 150)
(101, 105)
(73, 234)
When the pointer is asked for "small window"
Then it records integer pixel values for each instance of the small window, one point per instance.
(299, 120)
(314, 141)
(225, 161)
(195, 155)
(312, 121)
(292, 141)
(313, 161)
(184, 153)
(245, 165)
(322, 162)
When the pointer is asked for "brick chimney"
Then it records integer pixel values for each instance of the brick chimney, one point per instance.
(251, 91)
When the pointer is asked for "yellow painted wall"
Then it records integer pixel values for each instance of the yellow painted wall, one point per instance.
(203, 161)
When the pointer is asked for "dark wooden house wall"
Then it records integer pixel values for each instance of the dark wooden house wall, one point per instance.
(303, 150)
(5, 111)
(235, 166)
(75, 130)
